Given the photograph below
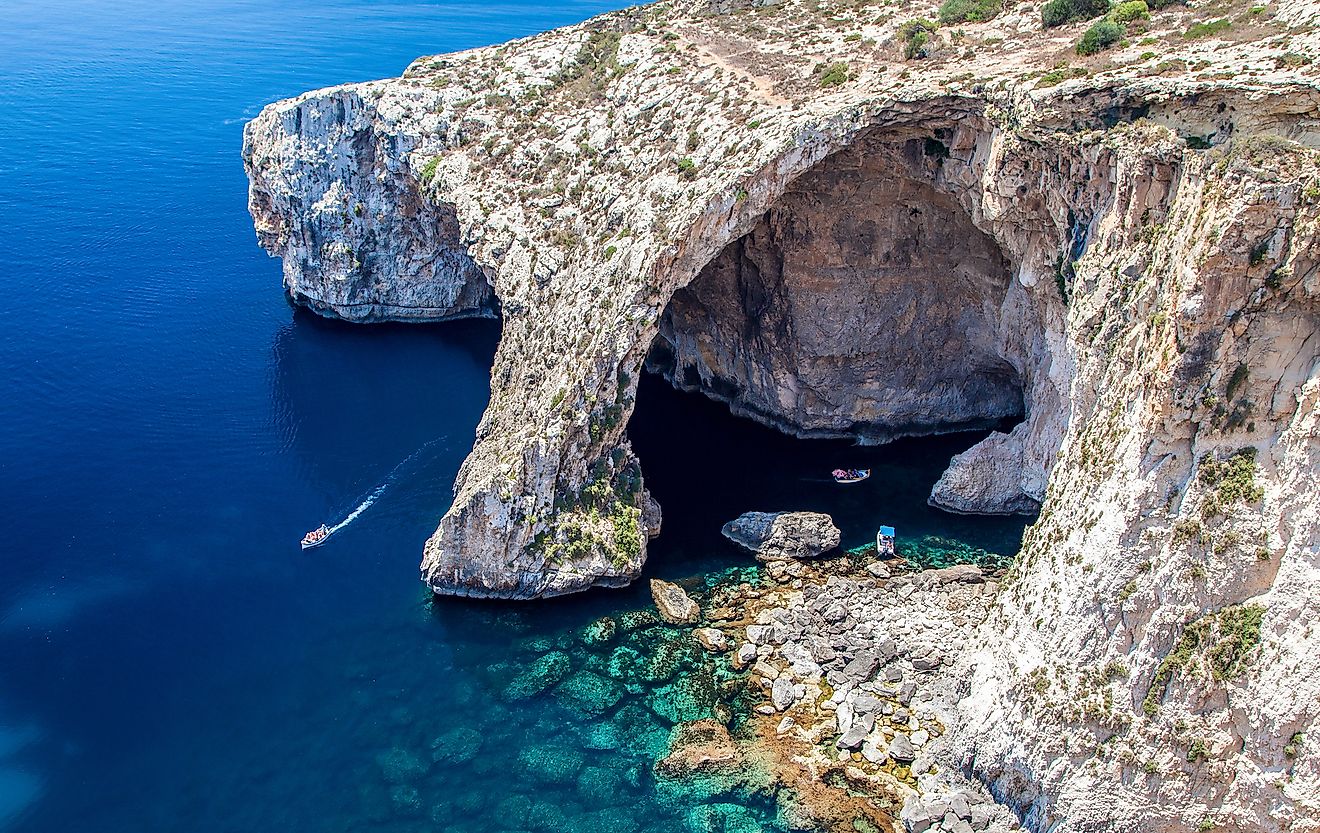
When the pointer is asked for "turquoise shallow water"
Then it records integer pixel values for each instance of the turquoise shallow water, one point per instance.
(169, 659)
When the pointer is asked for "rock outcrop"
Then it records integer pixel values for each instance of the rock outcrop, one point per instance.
(776, 536)
(673, 603)
(781, 212)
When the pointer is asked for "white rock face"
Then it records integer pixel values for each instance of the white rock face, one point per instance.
(987, 478)
(334, 197)
(1156, 313)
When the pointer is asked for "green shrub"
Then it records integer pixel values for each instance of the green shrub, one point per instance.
(969, 11)
(1100, 37)
(1293, 746)
(428, 170)
(834, 74)
(687, 168)
(915, 34)
(1230, 480)
(1059, 12)
(1164, 4)
(1223, 639)
(1197, 751)
(1207, 29)
(1239, 634)
(1130, 11)
(1057, 76)
(627, 534)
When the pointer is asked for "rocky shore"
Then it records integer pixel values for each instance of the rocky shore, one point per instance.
(847, 664)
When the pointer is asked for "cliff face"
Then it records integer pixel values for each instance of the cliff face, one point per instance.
(334, 197)
(923, 246)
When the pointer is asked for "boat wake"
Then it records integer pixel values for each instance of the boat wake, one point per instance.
(374, 495)
(359, 509)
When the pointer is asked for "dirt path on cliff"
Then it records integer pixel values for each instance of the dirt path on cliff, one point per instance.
(709, 54)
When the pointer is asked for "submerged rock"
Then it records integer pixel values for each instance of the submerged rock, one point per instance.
(543, 673)
(407, 800)
(698, 746)
(601, 786)
(625, 664)
(589, 693)
(551, 764)
(712, 639)
(667, 658)
(690, 697)
(775, 536)
(635, 620)
(675, 605)
(399, 766)
(456, 746)
(600, 631)
(603, 736)
(722, 818)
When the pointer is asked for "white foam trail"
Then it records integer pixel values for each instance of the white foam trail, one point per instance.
(361, 507)
(375, 493)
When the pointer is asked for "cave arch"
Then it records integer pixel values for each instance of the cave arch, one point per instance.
(864, 302)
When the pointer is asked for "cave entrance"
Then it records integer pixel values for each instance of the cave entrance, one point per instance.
(863, 304)
(862, 307)
(706, 466)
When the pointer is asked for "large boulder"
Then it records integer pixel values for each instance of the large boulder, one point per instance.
(675, 605)
(987, 479)
(775, 536)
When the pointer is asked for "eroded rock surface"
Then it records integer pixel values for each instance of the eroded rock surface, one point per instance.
(674, 604)
(776, 536)
(699, 746)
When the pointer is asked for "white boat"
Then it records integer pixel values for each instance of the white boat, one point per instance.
(850, 475)
(884, 542)
(316, 537)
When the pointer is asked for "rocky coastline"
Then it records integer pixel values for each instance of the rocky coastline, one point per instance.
(789, 209)
(838, 667)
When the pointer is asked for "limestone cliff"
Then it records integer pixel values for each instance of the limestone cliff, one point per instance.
(779, 210)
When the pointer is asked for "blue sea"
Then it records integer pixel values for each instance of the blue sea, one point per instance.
(169, 659)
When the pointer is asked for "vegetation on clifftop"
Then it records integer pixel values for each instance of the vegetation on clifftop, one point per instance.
(969, 11)
(1060, 12)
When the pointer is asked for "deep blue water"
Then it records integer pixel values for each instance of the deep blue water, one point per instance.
(169, 660)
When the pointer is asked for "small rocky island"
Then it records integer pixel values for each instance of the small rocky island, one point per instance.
(872, 221)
